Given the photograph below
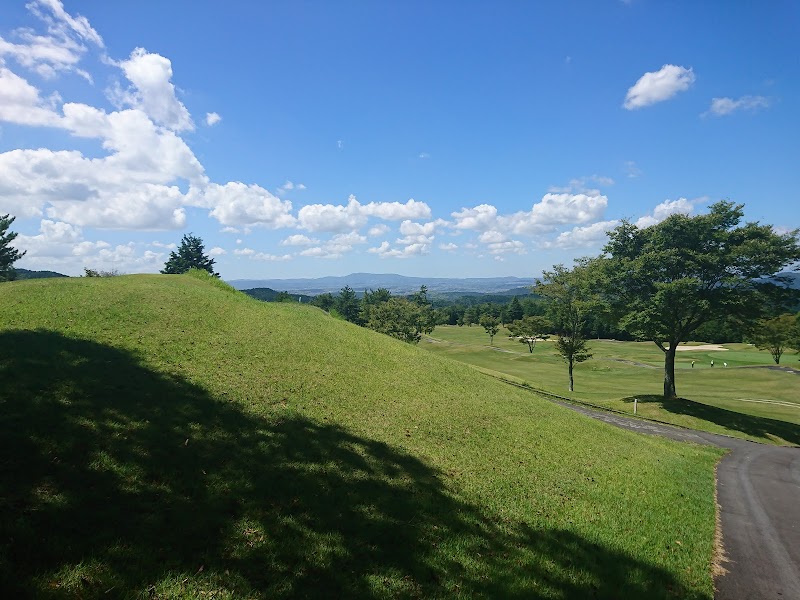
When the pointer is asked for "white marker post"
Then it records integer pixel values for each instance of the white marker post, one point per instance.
(635, 400)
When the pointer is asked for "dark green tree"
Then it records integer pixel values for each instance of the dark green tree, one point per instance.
(470, 316)
(347, 305)
(402, 319)
(8, 254)
(529, 330)
(570, 300)
(514, 311)
(491, 325)
(190, 255)
(663, 282)
(325, 301)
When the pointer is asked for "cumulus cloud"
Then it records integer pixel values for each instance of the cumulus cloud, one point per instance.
(340, 218)
(658, 86)
(449, 247)
(583, 237)
(378, 230)
(62, 246)
(212, 119)
(509, 246)
(217, 251)
(153, 91)
(665, 209)
(478, 218)
(726, 106)
(385, 250)
(237, 204)
(336, 246)
(299, 240)
(20, 102)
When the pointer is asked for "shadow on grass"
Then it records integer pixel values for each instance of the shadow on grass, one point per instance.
(117, 481)
(756, 426)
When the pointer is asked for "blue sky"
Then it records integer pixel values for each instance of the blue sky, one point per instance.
(464, 139)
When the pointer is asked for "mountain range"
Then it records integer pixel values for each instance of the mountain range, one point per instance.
(397, 284)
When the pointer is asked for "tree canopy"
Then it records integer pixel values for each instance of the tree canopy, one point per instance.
(528, 330)
(190, 255)
(570, 300)
(8, 254)
(664, 281)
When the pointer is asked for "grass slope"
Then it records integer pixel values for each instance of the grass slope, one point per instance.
(167, 437)
(748, 398)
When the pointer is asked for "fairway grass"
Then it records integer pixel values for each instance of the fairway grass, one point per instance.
(750, 398)
(168, 437)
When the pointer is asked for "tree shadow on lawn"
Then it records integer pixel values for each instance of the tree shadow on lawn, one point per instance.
(756, 426)
(118, 481)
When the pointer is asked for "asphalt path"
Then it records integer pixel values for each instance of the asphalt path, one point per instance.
(758, 491)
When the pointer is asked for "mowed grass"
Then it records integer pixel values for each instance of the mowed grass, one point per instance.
(167, 437)
(749, 398)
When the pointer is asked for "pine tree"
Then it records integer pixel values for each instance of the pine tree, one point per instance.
(8, 255)
(190, 255)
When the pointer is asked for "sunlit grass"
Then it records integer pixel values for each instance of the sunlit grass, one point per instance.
(748, 398)
(164, 437)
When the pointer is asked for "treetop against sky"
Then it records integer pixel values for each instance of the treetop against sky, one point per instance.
(431, 139)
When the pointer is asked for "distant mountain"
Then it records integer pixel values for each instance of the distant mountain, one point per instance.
(26, 274)
(397, 284)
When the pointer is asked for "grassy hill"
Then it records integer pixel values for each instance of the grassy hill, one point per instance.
(167, 437)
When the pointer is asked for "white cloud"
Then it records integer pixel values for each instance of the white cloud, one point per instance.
(658, 86)
(386, 251)
(60, 50)
(20, 102)
(61, 246)
(515, 246)
(583, 237)
(424, 155)
(152, 90)
(212, 119)
(299, 240)
(217, 251)
(479, 218)
(725, 106)
(339, 144)
(554, 210)
(665, 209)
(236, 204)
(449, 247)
(378, 230)
(492, 237)
(353, 216)
(244, 252)
(335, 247)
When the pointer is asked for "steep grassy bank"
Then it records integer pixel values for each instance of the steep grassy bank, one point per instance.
(163, 436)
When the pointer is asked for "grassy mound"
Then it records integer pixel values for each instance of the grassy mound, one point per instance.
(167, 437)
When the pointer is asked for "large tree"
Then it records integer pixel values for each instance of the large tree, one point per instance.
(190, 255)
(569, 302)
(664, 281)
(8, 254)
(401, 318)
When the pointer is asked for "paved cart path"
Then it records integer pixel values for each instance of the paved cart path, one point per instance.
(758, 490)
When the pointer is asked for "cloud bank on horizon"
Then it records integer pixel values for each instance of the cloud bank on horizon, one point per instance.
(116, 181)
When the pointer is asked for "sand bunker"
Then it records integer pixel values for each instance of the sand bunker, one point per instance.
(702, 347)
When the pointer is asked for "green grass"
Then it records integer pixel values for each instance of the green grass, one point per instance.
(747, 399)
(162, 437)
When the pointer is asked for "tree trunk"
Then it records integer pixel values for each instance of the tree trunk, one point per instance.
(571, 388)
(669, 371)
